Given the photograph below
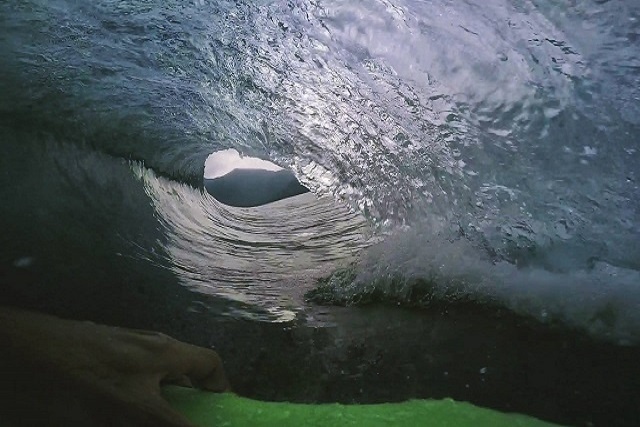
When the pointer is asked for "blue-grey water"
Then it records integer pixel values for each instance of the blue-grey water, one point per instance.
(490, 148)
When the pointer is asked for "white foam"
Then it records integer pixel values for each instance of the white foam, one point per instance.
(603, 300)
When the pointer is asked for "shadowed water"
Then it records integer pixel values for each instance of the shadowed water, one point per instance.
(477, 152)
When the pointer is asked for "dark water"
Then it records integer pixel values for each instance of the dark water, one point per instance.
(478, 155)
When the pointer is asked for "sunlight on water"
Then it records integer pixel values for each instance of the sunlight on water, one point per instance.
(266, 257)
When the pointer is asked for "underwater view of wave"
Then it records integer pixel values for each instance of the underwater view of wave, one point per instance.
(456, 151)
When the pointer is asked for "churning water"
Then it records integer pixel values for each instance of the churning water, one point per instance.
(485, 150)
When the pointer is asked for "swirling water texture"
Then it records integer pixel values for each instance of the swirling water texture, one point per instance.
(514, 123)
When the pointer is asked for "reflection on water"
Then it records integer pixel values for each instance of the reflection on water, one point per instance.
(265, 257)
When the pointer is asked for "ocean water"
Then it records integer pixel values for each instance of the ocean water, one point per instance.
(479, 153)
(490, 149)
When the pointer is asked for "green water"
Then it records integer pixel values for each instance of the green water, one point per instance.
(208, 409)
